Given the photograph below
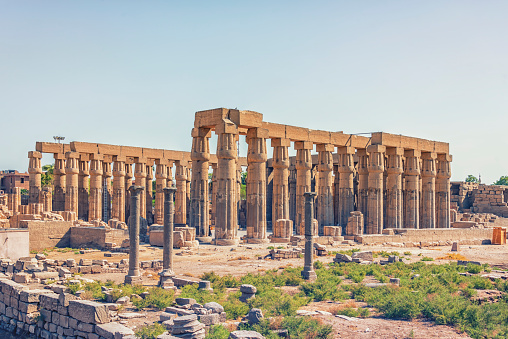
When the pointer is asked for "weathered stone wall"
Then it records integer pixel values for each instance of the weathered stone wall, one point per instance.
(96, 236)
(14, 243)
(491, 199)
(44, 234)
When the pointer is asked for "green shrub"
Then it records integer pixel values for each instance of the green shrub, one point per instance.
(354, 312)
(157, 297)
(427, 259)
(217, 332)
(305, 327)
(474, 269)
(150, 331)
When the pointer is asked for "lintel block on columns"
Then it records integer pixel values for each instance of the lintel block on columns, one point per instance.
(107, 158)
(275, 130)
(245, 118)
(96, 156)
(320, 137)
(109, 149)
(412, 153)
(201, 132)
(119, 158)
(34, 154)
(280, 142)
(84, 147)
(84, 157)
(325, 148)
(444, 157)
(345, 150)
(257, 133)
(304, 145)
(376, 149)
(226, 126)
(59, 156)
(131, 151)
(395, 151)
(297, 133)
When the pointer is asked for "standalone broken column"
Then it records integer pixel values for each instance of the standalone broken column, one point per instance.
(59, 182)
(161, 178)
(308, 268)
(325, 186)
(428, 198)
(83, 186)
(376, 168)
(35, 172)
(227, 211)
(394, 169)
(181, 193)
(303, 167)
(443, 191)
(46, 199)
(280, 197)
(167, 254)
(72, 176)
(118, 206)
(412, 189)
(256, 185)
(95, 197)
(363, 182)
(346, 200)
(133, 277)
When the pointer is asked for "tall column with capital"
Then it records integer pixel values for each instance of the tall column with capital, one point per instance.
(325, 186)
(167, 254)
(107, 189)
(292, 192)
(215, 171)
(149, 192)
(346, 200)
(59, 182)
(133, 276)
(140, 179)
(181, 193)
(161, 179)
(95, 197)
(72, 182)
(443, 190)
(308, 272)
(428, 198)
(128, 183)
(280, 197)
(303, 167)
(256, 185)
(363, 183)
(118, 206)
(199, 205)
(83, 186)
(226, 224)
(376, 169)
(34, 176)
(394, 169)
(412, 189)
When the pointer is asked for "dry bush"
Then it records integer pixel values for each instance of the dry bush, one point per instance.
(242, 257)
(453, 256)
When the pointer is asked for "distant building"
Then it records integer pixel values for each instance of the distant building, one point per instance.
(9, 179)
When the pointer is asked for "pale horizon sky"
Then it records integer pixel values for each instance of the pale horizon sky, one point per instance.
(134, 73)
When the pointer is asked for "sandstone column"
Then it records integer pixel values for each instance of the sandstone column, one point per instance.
(133, 277)
(394, 188)
(161, 179)
(256, 185)
(308, 272)
(346, 200)
(14, 200)
(189, 179)
(215, 171)
(412, 189)
(118, 208)
(107, 190)
(376, 169)
(443, 191)
(226, 224)
(83, 186)
(46, 199)
(199, 206)
(72, 182)
(303, 167)
(169, 171)
(35, 172)
(149, 192)
(336, 182)
(95, 197)
(363, 182)
(59, 182)
(140, 179)
(280, 197)
(428, 198)
(292, 192)
(181, 193)
(128, 183)
(325, 186)
(167, 254)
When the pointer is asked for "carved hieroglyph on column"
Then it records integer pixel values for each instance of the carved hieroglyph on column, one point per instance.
(375, 198)
(303, 167)
(133, 276)
(325, 186)
(363, 182)
(95, 197)
(428, 198)
(149, 192)
(226, 225)
(140, 179)
(107, 190)
(394, 170)
(118, 208)
(200, 156)
(161, 178)
(128, 183)
(72, 182)
(181, 193)
(280, 196)
(256, 185)
(59, 182)
(412, 189)
(34, 172)
(346, 201)
(443, 191)
(83, 186)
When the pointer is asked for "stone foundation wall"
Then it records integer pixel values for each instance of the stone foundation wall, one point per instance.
(45, 234)
(96, 237)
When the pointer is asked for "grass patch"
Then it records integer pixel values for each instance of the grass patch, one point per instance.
(150, 331)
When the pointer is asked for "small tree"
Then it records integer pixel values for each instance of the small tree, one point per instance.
(47, 175)
(502, 181)
(472, 178)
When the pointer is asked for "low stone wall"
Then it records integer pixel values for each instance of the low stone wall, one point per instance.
(45, 234)
(430, 237)
(96, 237)
(14, 243)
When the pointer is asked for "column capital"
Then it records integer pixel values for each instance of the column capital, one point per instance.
(376, 149)
(412, 153)
(34, 154)
(280, 142)
(119, 158)
(59, 156)
(260, 133)
(140, 160)
(325, 147)
(200, 132)
(345, 150)
(429, 156)
(136, 190)
(395, 151)
(444, 157)
(303, 145)
(226, 126)
(95, 156)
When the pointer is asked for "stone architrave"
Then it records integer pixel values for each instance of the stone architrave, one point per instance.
(83, 186)
(226, 224)
(72, 182)
(199, 204)
(128, 183)
(394, 169)
(107, 189)
(181, 193)
(167, 254)
(59, 182)
(149, 192)
(133, 276)
(428, 198)
(256, 185)
(303, 165)
(280, 163)
(308, 272)
(140, 180)
(95, 197)
(118, 205)
(346, 200)
(161, 179)
(375, 209)
(325, 186)
(443, 191)
(34, 176)
(412, 189)
(363, 182)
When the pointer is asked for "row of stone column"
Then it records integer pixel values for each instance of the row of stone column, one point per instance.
(82, 184)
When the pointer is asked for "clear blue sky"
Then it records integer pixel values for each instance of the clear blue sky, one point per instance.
(134, 72)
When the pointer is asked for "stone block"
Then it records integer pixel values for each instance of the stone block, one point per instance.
(32, 296)
(209, 319)
(89, 311)
(245, 335)
(110, 330)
